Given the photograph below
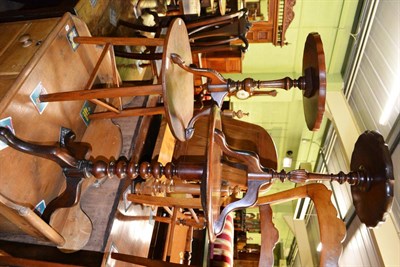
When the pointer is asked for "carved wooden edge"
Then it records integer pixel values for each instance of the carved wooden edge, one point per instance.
(332, 229)
(269, 236)
(78, 234)
(288, 16)
(29, 221)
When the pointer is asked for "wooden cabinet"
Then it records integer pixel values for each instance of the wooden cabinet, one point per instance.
(224, 62)
(270, 20)
(14, 54)
(271, 27)
(20, 41)
(52, 63)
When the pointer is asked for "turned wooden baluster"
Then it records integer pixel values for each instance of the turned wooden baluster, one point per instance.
(243, 89)
(182, 177)
(371, 178)
(72, 158)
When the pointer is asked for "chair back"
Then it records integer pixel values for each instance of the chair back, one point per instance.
(216, 32)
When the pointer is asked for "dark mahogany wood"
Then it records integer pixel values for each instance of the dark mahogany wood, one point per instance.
(371, 177)
(370, 182)
(205, 34)
(374, 195)
(312, 83)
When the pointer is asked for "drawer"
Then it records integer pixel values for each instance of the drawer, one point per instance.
(9, 33)
(15, 56)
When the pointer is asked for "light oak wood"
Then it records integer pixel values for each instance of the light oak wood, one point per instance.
(29, 221)
(16, 57)
(73, 223)
(332, 229)
(269, 236)
(57, 67)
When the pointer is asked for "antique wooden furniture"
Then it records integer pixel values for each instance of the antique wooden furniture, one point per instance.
(240, 135)
(268, 26)
(215, 33)
(45, 60)
(181, 213)
(371, 177)
(312, 83)
(332, 229)
(272, 29)
(29, 221)
(70, 229)
(209, 36)
(22, 42)
(176, 85)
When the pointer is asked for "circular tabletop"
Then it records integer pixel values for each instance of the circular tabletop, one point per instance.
(211, 180)
(374, 198)
(177, 84)
(314, 72)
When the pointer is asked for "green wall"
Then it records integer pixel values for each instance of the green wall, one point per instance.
(283, 115)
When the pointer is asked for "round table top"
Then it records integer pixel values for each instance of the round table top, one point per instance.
(211, 180)
(372, 200)
(314, 71)
(177, 84)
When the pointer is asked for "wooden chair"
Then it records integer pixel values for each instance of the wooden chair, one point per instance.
(240, 135)
(332, 229)
(174, 206)
(217, 33)
(27, 220)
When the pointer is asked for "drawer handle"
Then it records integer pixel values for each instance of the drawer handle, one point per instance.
(25, 40)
